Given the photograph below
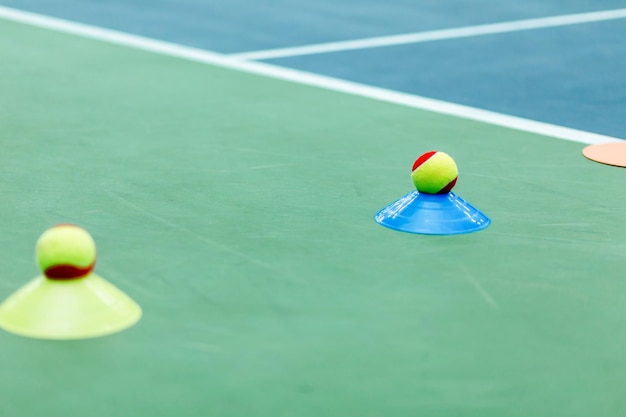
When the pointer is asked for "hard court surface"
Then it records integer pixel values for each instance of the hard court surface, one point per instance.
(237, 209)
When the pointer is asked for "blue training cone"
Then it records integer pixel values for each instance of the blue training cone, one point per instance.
(432, 214)
(433, 209)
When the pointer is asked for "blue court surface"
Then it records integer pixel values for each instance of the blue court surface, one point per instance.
(565, 75)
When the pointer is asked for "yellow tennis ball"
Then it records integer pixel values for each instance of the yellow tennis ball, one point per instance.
(66, 251)
(434, 173)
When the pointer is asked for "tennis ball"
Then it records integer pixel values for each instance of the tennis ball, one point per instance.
(66, 251)
(434, 173)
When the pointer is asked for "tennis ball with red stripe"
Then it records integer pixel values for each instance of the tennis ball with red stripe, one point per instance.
(65, 252)
(434, 173)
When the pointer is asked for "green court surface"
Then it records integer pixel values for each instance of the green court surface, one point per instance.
(237, 210)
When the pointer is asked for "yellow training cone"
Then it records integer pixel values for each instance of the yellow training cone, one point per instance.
(68, 301)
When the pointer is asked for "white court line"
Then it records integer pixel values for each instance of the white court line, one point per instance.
(434, 35)
(287, 74)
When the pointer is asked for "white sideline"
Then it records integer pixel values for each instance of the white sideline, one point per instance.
(212, 58)
(434, 35)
